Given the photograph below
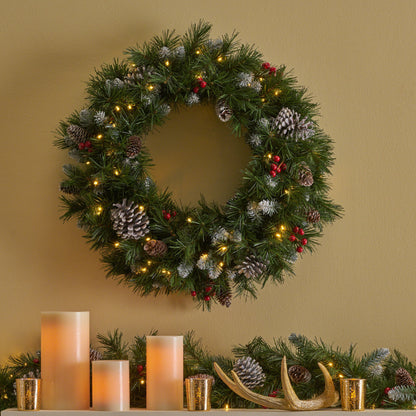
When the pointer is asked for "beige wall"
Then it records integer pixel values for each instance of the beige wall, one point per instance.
(356, 57)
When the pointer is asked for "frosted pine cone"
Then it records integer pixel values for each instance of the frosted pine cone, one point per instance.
(251, 268)
(69, 189)
(137, 74)
(155, 248)
(165, 52)
(245, 79)
(76, 133)
(249, 372)
(403, 378)
(289, 124)
(313, 216)
(299, 374)
(223, 111)
(305, 177)
(134, 145)
(129, 220)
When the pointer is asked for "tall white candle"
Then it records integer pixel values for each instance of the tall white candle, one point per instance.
(164, 373)
(65, 364)
(110, 385)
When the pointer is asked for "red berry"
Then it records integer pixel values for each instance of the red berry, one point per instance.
(195, 90)
(278, 170)
(386, 390)
(208, 289)
(193, 293)
(276, 158)
(174, 213)
(139, 368)
(207, 298)
(273, 166)
(163, 211)
(88, 144)
(265, 65)
(283, 166)
(273, 173)
(272, 70)
(89, 150)
(81, 146)
(167, 216)
(200, 79)
(202, 84)
(382, 403)
(36, 360)
(292, 238)
(301, 232)
(273, 394)
(299, 249)
(304, 241)
(295, 230)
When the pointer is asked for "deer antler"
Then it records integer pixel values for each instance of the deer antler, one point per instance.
(291, 401)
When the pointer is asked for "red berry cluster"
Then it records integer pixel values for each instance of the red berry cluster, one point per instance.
(276, 168)
(302, 242)
(140, 369)
(201, 84)
(85, 146)
(208, 293)
(167, 215)
(272, 70)
(36, 360)
(274, 393)
(386, 390)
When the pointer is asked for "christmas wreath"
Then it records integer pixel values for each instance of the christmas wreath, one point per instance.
(150, 242)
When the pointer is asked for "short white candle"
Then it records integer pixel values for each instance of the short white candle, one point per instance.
(164, 373)
(110, 385)
(65, 364)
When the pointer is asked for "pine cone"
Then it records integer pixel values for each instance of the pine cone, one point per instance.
(403, 378)
(305, 177)
(95, 355)
(137, 74)
(289, 124)
(155, 248)
(134, 145)
(285, 122)
(223, 111)
(68, 189)
(224, 295)
(129, 221)
(204, 376)
(249, 372)
(299, 374)
(313, 216)
(251, 267)
(76, 133)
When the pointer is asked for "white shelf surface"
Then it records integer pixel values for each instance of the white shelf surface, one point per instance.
(212, 412)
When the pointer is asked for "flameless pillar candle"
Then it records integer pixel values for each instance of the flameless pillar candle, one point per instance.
(164, 373)
(65, 364)
(110, 385)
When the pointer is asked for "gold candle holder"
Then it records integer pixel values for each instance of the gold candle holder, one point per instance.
(353, 394)
(198, 393)
(28, 391)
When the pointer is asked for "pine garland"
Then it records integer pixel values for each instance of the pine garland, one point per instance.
(130, 98)
(299, 350)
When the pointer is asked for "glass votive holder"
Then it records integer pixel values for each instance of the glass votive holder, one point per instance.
(353, 394)
(28, 393)
(198, 393)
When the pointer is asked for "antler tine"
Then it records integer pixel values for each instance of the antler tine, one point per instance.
(326, 399)
(238, 387)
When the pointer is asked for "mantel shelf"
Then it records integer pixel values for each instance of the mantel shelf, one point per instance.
(213, 412)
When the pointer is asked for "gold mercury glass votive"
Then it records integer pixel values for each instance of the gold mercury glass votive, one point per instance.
(353, 393)
(28, 391)
(198, 393)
